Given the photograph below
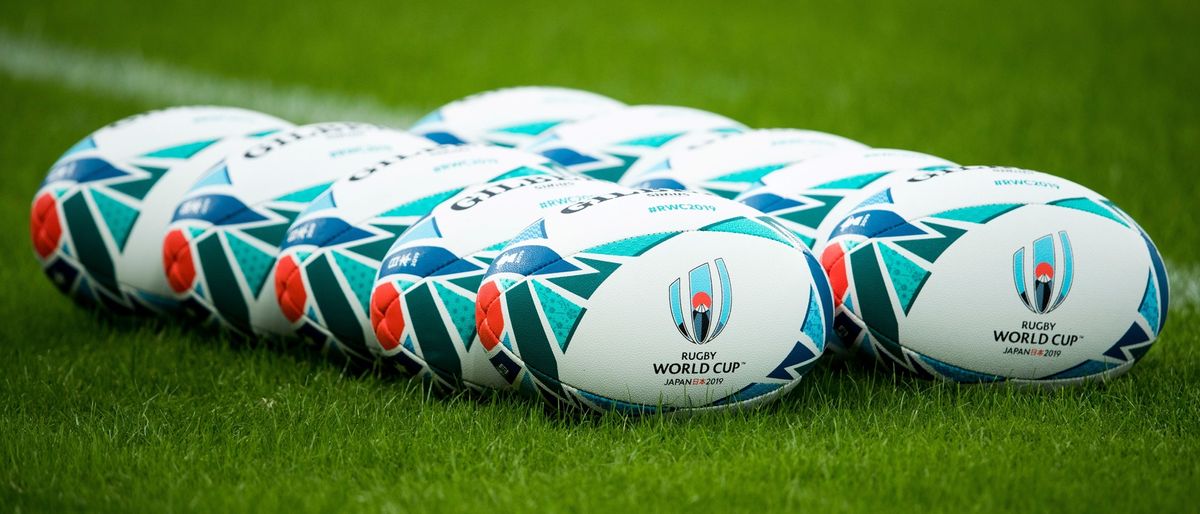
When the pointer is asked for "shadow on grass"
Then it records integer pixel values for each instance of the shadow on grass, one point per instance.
(833, 384)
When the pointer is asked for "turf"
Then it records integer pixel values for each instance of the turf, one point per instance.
(105, 414)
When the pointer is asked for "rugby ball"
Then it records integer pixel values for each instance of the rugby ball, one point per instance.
(329, 258)
(810, 197)
(648, 301)
(996, 274)
(510, 116)
(423, 304)
(606, 145)
(99, 216)
(226, 231)
(727, 164)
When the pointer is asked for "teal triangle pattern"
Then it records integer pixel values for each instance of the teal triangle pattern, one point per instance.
(496, 247)
(854, 182)
(395, 230)
(814, 321)
(420, 206)
(529, 129)
(654, 141)
(562, 314)
(462, 313)
(468, 282)
(218, 176)
(375, 250)
(403, 285)
(535, 231)
(977, 213)
(523, 171)
(632, 246)
(302, 256)
(584, 284)
(408, 344)
(200, 290)
(263, 133)
(1086, 205)
(907, 276)
(884, 196)
(723, 193)
(287, 214)
(305, 195)
(139, 188)
(325, 201)
(117, 216)
(425, 229)
(746, 226)
(811, 215)
(254, 263)
(1149, 306)
(86, 143)
(183, 151)
(194, 232)
(749, 175)
(360, 277)
(271, 234)
(931, 248)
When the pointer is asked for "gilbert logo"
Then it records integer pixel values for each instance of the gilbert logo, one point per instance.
(1043, 280)
(707, 307)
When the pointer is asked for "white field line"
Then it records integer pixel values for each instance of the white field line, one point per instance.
(130, 76)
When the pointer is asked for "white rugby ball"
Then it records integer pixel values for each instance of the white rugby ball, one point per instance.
(605, 145)
(996, 274)
(331, 254)
(727, 164)
(647, 301)
(423, 304)
(510, 116)
(811, 196)
(220, 247)
(99, 217)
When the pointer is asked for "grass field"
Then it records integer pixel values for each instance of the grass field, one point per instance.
(104, 414)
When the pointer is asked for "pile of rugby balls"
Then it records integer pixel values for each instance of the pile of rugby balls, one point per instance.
(628, 258)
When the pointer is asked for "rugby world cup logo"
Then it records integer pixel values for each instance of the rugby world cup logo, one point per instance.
(701, 301)
(1043, 280)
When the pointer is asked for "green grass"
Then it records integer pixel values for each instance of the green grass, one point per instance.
(113, 415)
